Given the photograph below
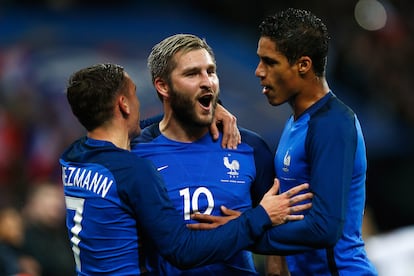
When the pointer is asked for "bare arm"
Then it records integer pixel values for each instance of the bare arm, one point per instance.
(276, 266)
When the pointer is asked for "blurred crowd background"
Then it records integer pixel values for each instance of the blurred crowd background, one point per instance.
(43, 42)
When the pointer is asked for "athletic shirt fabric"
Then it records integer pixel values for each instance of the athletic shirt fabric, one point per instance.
(201, 176)
(118, 214)
(325, 148)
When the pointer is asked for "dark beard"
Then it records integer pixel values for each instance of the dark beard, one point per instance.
(184, 110)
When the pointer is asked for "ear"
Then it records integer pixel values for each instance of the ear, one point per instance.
(304, 64)
(124, 105)
(162, 87)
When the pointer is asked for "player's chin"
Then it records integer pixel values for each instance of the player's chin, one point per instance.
(205, 119)
(274, 101)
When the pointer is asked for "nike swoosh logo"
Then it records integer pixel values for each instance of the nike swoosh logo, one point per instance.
(161, 168)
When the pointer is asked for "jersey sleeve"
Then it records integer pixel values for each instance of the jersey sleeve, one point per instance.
(184, 248)
(151, 120)
(330, 147)
(263, 158)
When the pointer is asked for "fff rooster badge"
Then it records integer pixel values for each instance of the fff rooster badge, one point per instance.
(233, 167)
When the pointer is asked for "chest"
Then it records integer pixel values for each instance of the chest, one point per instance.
(291, 161)
(202, 178)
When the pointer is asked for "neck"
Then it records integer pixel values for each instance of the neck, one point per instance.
(309, 95)
(115, 135)
(179, 131)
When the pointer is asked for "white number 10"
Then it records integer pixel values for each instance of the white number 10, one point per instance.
(192, 203)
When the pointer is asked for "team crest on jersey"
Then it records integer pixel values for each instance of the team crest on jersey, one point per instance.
(286, 162)
(232, 165)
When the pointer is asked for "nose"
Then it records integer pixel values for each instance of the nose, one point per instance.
(259, 72)
(207, 80)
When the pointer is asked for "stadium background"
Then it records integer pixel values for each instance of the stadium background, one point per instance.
(370, 68)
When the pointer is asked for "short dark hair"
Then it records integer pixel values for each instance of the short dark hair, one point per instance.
(91, 93)
(298, 33)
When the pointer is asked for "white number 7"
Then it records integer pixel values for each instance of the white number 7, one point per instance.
(76, 204)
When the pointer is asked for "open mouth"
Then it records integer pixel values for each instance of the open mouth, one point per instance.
(265, 89)
(205, 100)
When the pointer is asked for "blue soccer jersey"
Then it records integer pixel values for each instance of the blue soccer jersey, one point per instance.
(325, 148)
(201, 176)
(118, 213)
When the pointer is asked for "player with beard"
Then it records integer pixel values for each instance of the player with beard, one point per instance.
(200, 175)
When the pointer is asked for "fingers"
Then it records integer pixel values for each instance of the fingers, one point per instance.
(231, 133)
(293, 217)
(230, 212)
(293, 210)
(297, 189)
(286, 206)
(298, 198)
(274, 189)
(214, 130)
(300, 208)
(276, 184)
(202, 218)
(210, 221)
(201, 226)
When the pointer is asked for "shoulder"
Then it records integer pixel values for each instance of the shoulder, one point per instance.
(134, 172)
(126, 161)
(332, 121)
(332, 115)
(333, 109)
(137, 178)
(148, 134)
(253, 139)
(150, 121)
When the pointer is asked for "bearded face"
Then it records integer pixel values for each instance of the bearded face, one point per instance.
(194, 110)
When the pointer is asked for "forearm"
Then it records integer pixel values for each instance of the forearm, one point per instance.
(185, 248)
(299, 236)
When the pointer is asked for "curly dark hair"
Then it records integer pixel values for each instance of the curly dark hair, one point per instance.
(91, 93)
(298, 33)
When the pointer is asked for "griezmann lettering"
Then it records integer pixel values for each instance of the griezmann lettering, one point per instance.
(86, 179)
